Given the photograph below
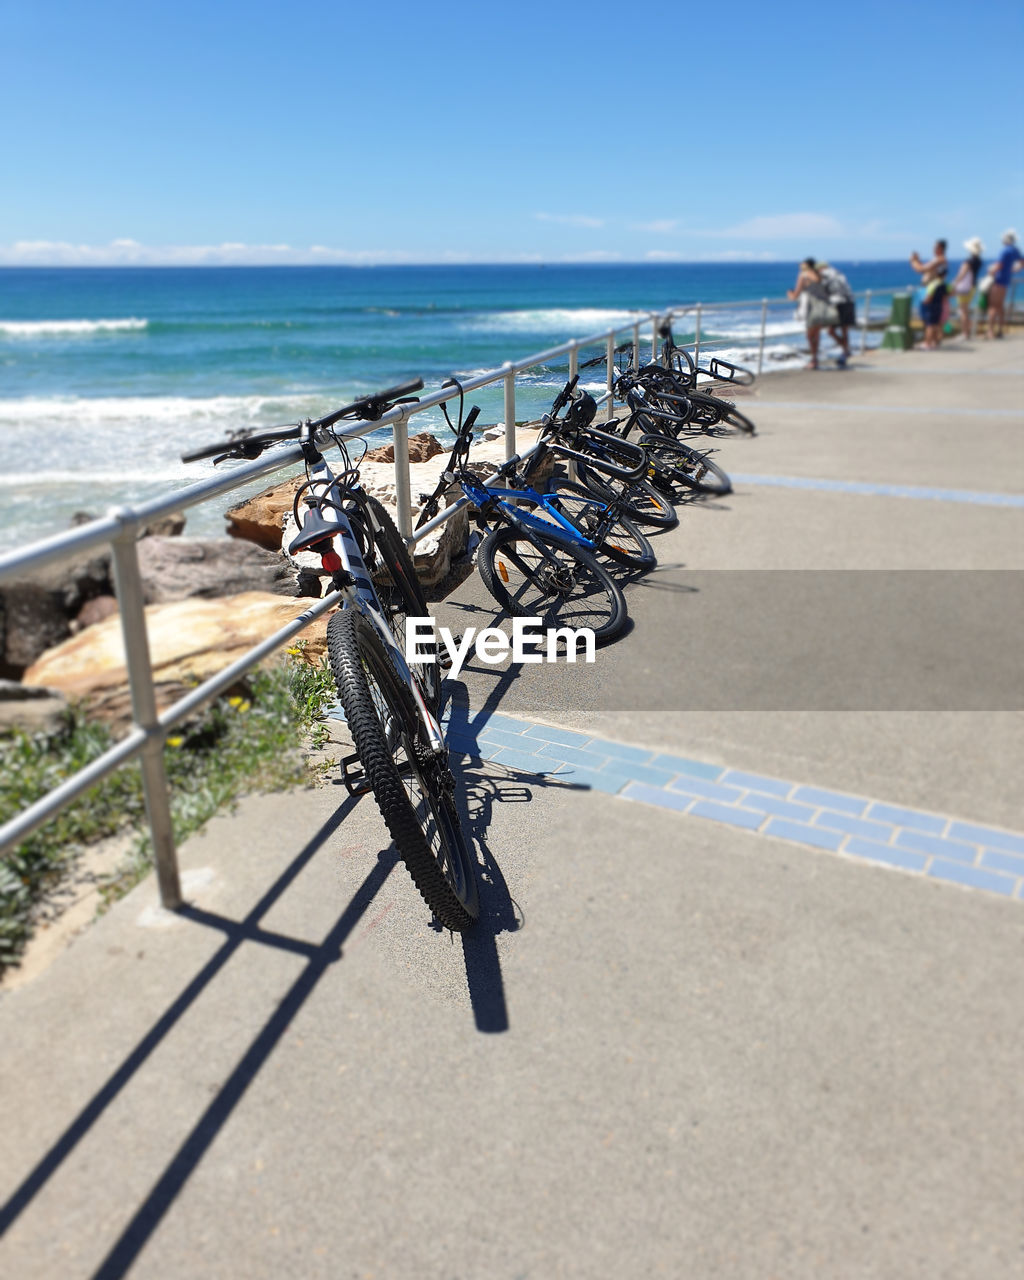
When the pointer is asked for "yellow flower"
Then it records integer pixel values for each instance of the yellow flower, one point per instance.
(296, 653)
(175, 742)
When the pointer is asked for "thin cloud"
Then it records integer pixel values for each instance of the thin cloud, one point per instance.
(784, 226)
(130, 253)
(570, 219)
(660, 226)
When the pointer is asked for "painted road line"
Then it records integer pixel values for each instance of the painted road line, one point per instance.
(973, 497)
(941, 411)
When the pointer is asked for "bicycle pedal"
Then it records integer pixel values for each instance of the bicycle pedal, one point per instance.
(353, 776)
(444, 658)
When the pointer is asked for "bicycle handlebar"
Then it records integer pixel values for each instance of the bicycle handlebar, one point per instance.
(250, 443)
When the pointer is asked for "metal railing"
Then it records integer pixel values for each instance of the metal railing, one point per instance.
(121, 527)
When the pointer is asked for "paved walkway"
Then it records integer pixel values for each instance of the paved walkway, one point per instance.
(708, 1026)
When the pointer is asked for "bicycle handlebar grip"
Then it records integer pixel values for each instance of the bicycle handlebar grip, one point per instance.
(209, 451)
(396, 393)
(471, 418)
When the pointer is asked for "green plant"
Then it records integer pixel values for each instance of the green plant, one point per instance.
(234, 746)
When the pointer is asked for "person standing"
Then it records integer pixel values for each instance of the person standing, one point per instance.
(841, 296)
(933, 277)
(966, 281)
(1010, 261)
(814, 308)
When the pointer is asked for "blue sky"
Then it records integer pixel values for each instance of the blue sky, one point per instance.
(333, 132)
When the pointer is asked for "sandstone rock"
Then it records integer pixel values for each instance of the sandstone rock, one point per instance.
(422, 448)
(31, 709)
(189, 640)
(258, 519)
(177, 568)
(94, 611)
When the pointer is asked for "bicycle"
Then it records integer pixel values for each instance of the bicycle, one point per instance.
(674, 382)
(600, 456)
(674, 462)
(391, 707)
(532, 566)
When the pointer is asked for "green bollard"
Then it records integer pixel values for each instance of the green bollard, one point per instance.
(898, 336)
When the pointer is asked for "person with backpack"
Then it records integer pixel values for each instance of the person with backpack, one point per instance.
(841, 297)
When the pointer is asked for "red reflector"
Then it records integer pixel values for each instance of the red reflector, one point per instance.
(331, 561)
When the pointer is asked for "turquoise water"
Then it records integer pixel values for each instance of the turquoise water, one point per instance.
(107, 375)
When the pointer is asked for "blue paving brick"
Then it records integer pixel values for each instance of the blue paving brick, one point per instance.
(694, 768)
(619, 751)
(856, 826)
(707, 790)
(1008, 862)
(804, 833)
(830, 800)
(937, 845)
(565, 736)
(657, 796)
(772, 804)
(595, 779)
(885, 853)
(503, 739)
(767, 786)
(974, 877)
(639, 773)
(524, 760)
(926, 822)
(509, 723)
(571, 755)
(988, 836)
(463, 744)
(726, 813)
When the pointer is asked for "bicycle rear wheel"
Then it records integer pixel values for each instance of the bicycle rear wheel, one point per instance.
(532, 575)
(414, 791)
(678, 464)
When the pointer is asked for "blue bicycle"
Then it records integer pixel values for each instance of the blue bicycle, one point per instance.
(537, 558)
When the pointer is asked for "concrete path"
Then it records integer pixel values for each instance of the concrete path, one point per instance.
(677, 1044)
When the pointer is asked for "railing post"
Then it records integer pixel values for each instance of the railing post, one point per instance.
(610, 359)
(574, 361)
(403, 494)
(654, 339)
(696, 338)
(865, 320)
(636, 346)
(510, 414)
(760, 348)
(128, 584)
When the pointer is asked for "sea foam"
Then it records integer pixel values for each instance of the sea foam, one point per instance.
(66, 328)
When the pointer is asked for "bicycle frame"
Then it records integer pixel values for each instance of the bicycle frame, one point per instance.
(352, 580)
(496, 498)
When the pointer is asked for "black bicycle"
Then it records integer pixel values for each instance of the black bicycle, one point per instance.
(391, 707)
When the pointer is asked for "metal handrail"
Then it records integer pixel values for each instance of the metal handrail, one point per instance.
(119, 530)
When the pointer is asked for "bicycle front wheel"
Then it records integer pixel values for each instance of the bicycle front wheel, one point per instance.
(718, 417)
(534, 576)
(639, 500)
(414, 791)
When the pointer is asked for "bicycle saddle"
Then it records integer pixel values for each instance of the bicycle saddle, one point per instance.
(315, 529)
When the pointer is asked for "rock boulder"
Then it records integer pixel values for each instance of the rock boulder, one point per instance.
(189, 640)
(178, 568)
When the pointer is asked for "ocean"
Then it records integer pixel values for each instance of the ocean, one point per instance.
(108, 375)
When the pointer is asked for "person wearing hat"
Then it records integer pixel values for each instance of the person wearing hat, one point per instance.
(966, 282)
(1010, 261)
